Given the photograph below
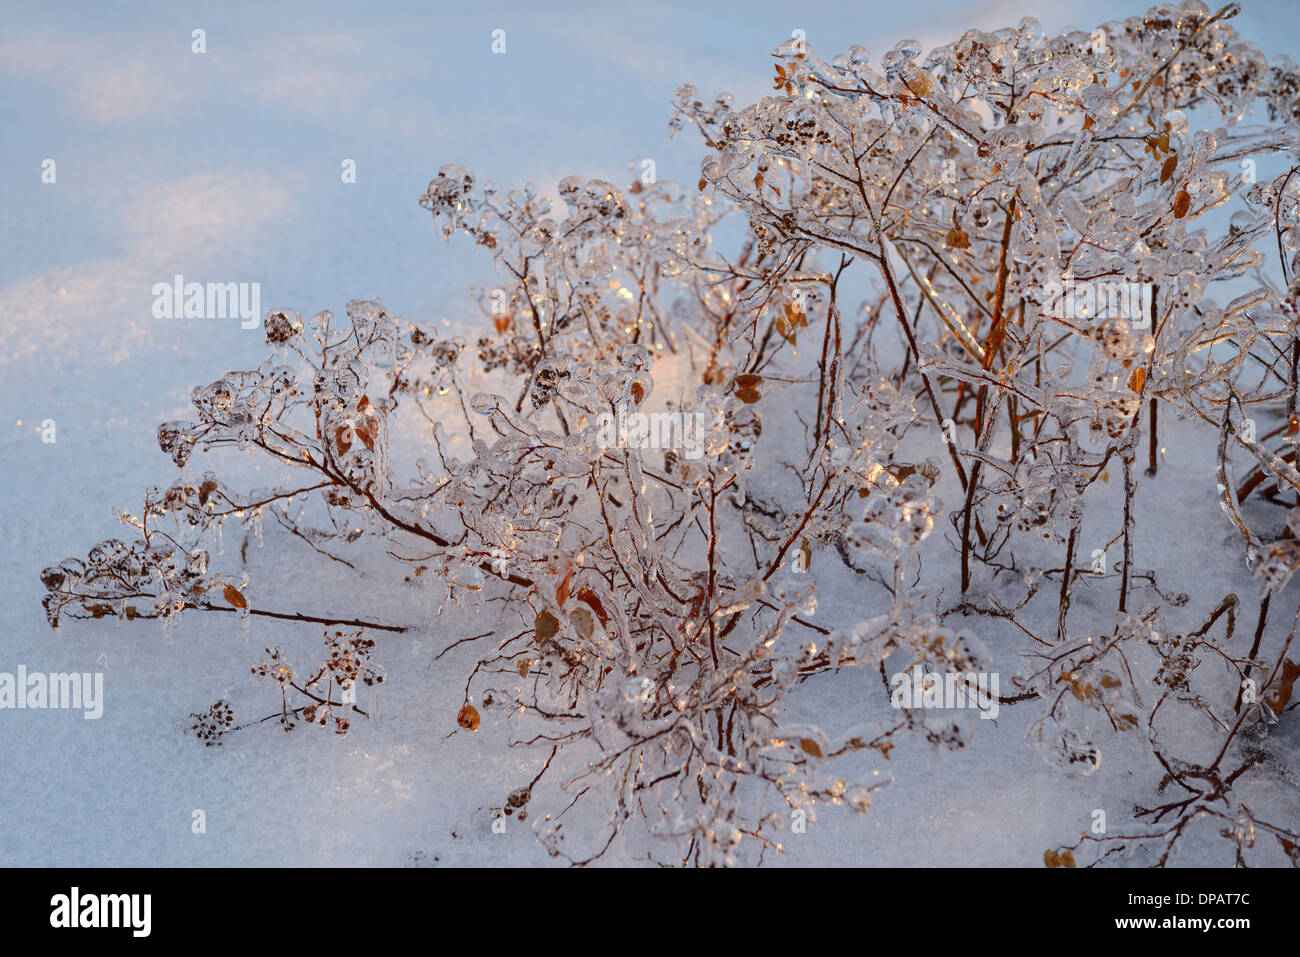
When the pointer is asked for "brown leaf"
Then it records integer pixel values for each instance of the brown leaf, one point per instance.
(748, 380)
(1053, 859)
(809, 746)
(205, 490)
(1182, 203)
(234, 596)
(957, 239)
(523, 666)
(748, 396)
(588, 596)
(1292, 851)
(583, 621)
(1167, 170)
(1137, 380)
(562, 593)
(1279, 694)
(638, 392)
(468, 718)
(545, 627)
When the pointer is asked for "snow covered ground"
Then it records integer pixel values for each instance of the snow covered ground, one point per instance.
(225, 166)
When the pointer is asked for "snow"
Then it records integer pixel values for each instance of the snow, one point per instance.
(225, 167)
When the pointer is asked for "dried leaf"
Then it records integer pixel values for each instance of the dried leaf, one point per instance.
(545, 627)
(1137, 380)
(468, 718)
(1292, 851)
(1280, 691)
(1167, 170)
(809, 746)
(748, 380)
(206, 490)
(748, 396)
(1053, 859)
(788, 329)
(234, 596)
(588, 596)
(583, 621)
(1182, 203)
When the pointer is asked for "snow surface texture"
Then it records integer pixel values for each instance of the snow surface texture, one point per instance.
(225, 166)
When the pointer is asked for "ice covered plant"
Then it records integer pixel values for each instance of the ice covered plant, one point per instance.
(1072, 242)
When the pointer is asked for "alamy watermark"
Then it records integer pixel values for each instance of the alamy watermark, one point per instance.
(58, 690)
(74, 909)
(683, 431)
(952, 689)
(179, 299)
(1090, 299)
